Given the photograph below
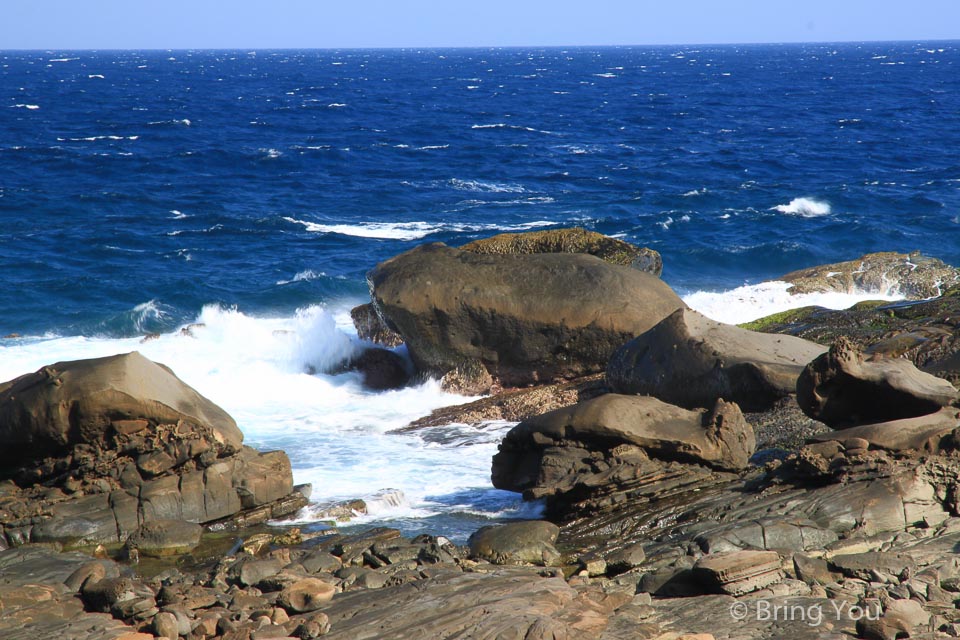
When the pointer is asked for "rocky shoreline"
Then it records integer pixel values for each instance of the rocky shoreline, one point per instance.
(795, 477)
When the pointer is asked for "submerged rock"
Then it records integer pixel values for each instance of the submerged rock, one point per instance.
(690, 360)
(526, 318)
(845, 388)
(913, 276)
(573, 240)
(164, 538)
(381, 369)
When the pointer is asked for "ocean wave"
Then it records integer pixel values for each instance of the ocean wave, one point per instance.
(504, 125)
(751, 302)
(303, 276)
(479, 186)
(409, 230)
(31, 107)
(185, 122)
(804, 207)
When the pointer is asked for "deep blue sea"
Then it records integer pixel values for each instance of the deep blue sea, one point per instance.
(252, 190)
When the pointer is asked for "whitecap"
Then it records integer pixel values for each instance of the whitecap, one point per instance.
(96, 75)
(804, 207)
(271, 153)
(303, 276)
(31, 107)
(336, 105)
(177, 215)
(751, 302)
(485, 187)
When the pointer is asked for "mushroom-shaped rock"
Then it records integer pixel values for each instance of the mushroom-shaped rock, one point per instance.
(719, 438)
(845, 388)
(525, 318)
(78, 402)
(691, 360)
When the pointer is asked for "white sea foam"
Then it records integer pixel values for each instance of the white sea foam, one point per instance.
(177, 215)
(96, 76)
(31, 107)
(751, 302)
(335, 432)
(804, 207)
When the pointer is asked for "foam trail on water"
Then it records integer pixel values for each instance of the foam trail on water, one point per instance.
(751, 302)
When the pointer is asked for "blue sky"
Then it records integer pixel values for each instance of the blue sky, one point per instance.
(78, 24)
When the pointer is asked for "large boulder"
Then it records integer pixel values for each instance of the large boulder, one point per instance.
(572, 240)
(526, 318)
(690, 360)
(718, 438)
(912, 276)
(81, 401)
(845, 388)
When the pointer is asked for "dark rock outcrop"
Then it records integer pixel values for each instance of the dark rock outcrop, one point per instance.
(844, 388)
(371, 327)
(913, 276)
(381, 369)
(689, 360)
(572, 240)
(526, 318)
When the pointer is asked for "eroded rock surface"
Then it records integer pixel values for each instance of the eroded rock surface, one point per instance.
(573, 240)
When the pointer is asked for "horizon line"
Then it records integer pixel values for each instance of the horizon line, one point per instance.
(487, 47)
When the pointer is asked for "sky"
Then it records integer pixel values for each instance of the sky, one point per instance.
(262, 24)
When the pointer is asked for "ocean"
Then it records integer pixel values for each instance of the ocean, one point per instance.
(250, 191)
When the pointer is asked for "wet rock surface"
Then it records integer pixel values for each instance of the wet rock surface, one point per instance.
(913, 275)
